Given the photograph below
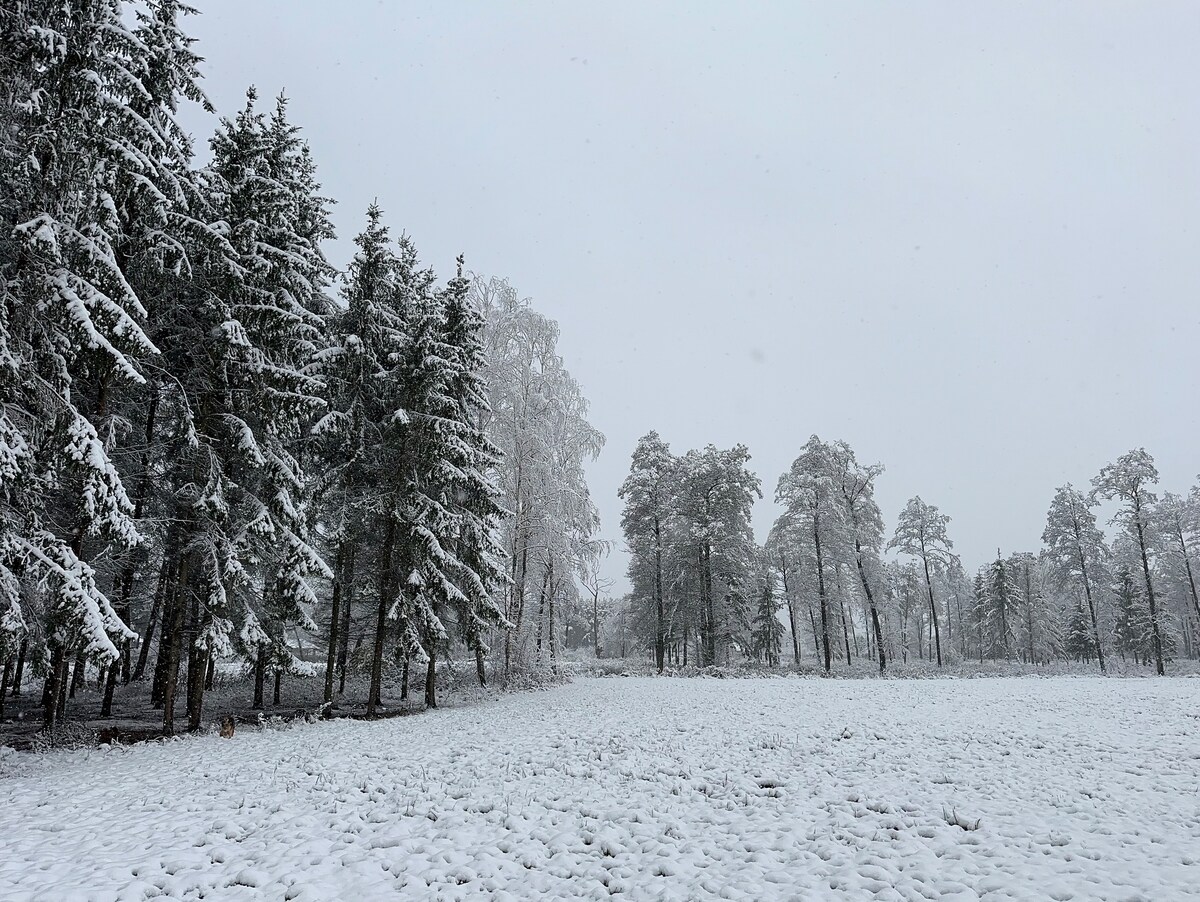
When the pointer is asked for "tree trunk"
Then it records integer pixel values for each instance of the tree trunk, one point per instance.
(875, 625)
(278, 685)
(260, 678)
(17, 677)
(660, 607)
(480, 669)
(547, 575)
(937, 633)
(335, 620)
(709, 634)
(52, 693)
(431, 679)
(404, 681)
(158, 687)
(175, 646)
(1029, 612)
(344, 629)
(4, 681)
(1154, 631)
(374, 700)
(842, 611)
(821, 593)
(791, 607)
(550, 615)
(110, 687)
(155, 608)
(1187, 566)
(78, 671)
(196, 702)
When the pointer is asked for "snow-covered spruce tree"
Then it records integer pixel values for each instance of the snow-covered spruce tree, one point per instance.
(813, 511)
(1079, 641)
(648, 494)
(999, 608)
(94, 192)
(468, 474)
(766, 632)
(1131, 626)
(404, 469)
(440, 562)
(349, 438)
(239, 346)
(1038, 630)
(1129, 480)
(921, 532)
(1076, 552)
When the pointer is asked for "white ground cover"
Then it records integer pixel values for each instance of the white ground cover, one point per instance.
(644, 788)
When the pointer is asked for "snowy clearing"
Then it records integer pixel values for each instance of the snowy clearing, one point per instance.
(1083, 789)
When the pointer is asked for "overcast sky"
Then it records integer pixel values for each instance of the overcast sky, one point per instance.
(961, 236)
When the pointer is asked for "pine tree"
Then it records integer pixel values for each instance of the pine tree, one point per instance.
(95, 193)
(243, 345)
(998, 608)
(766, 631)
(1131, 630)
(356, 370)
(1079, 643)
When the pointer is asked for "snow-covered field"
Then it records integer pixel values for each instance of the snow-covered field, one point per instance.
(644, 788)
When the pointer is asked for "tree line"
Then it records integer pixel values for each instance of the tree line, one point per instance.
(831, 582)
(215, 446)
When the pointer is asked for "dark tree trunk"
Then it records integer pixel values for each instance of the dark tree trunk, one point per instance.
(260, 678)
(278, 685)
(5, 679)
(937, 633)
(175, 642)
(480, 670)
(708, 636)
(148, 634)
(660, 607)
(171, 600)
(110, 687)
(431, 679)
(374, 701)
(78, 671)
(17, 677)
(791, 607)
(335, 619)
(404, 681)
(875, 624)
(344, 630)
(52, 692)
(1154, 631)
(196, 699)
(821, 593)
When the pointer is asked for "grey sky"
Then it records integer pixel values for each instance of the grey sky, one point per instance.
(962, 236)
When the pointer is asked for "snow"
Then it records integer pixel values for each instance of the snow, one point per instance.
(644, 788)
